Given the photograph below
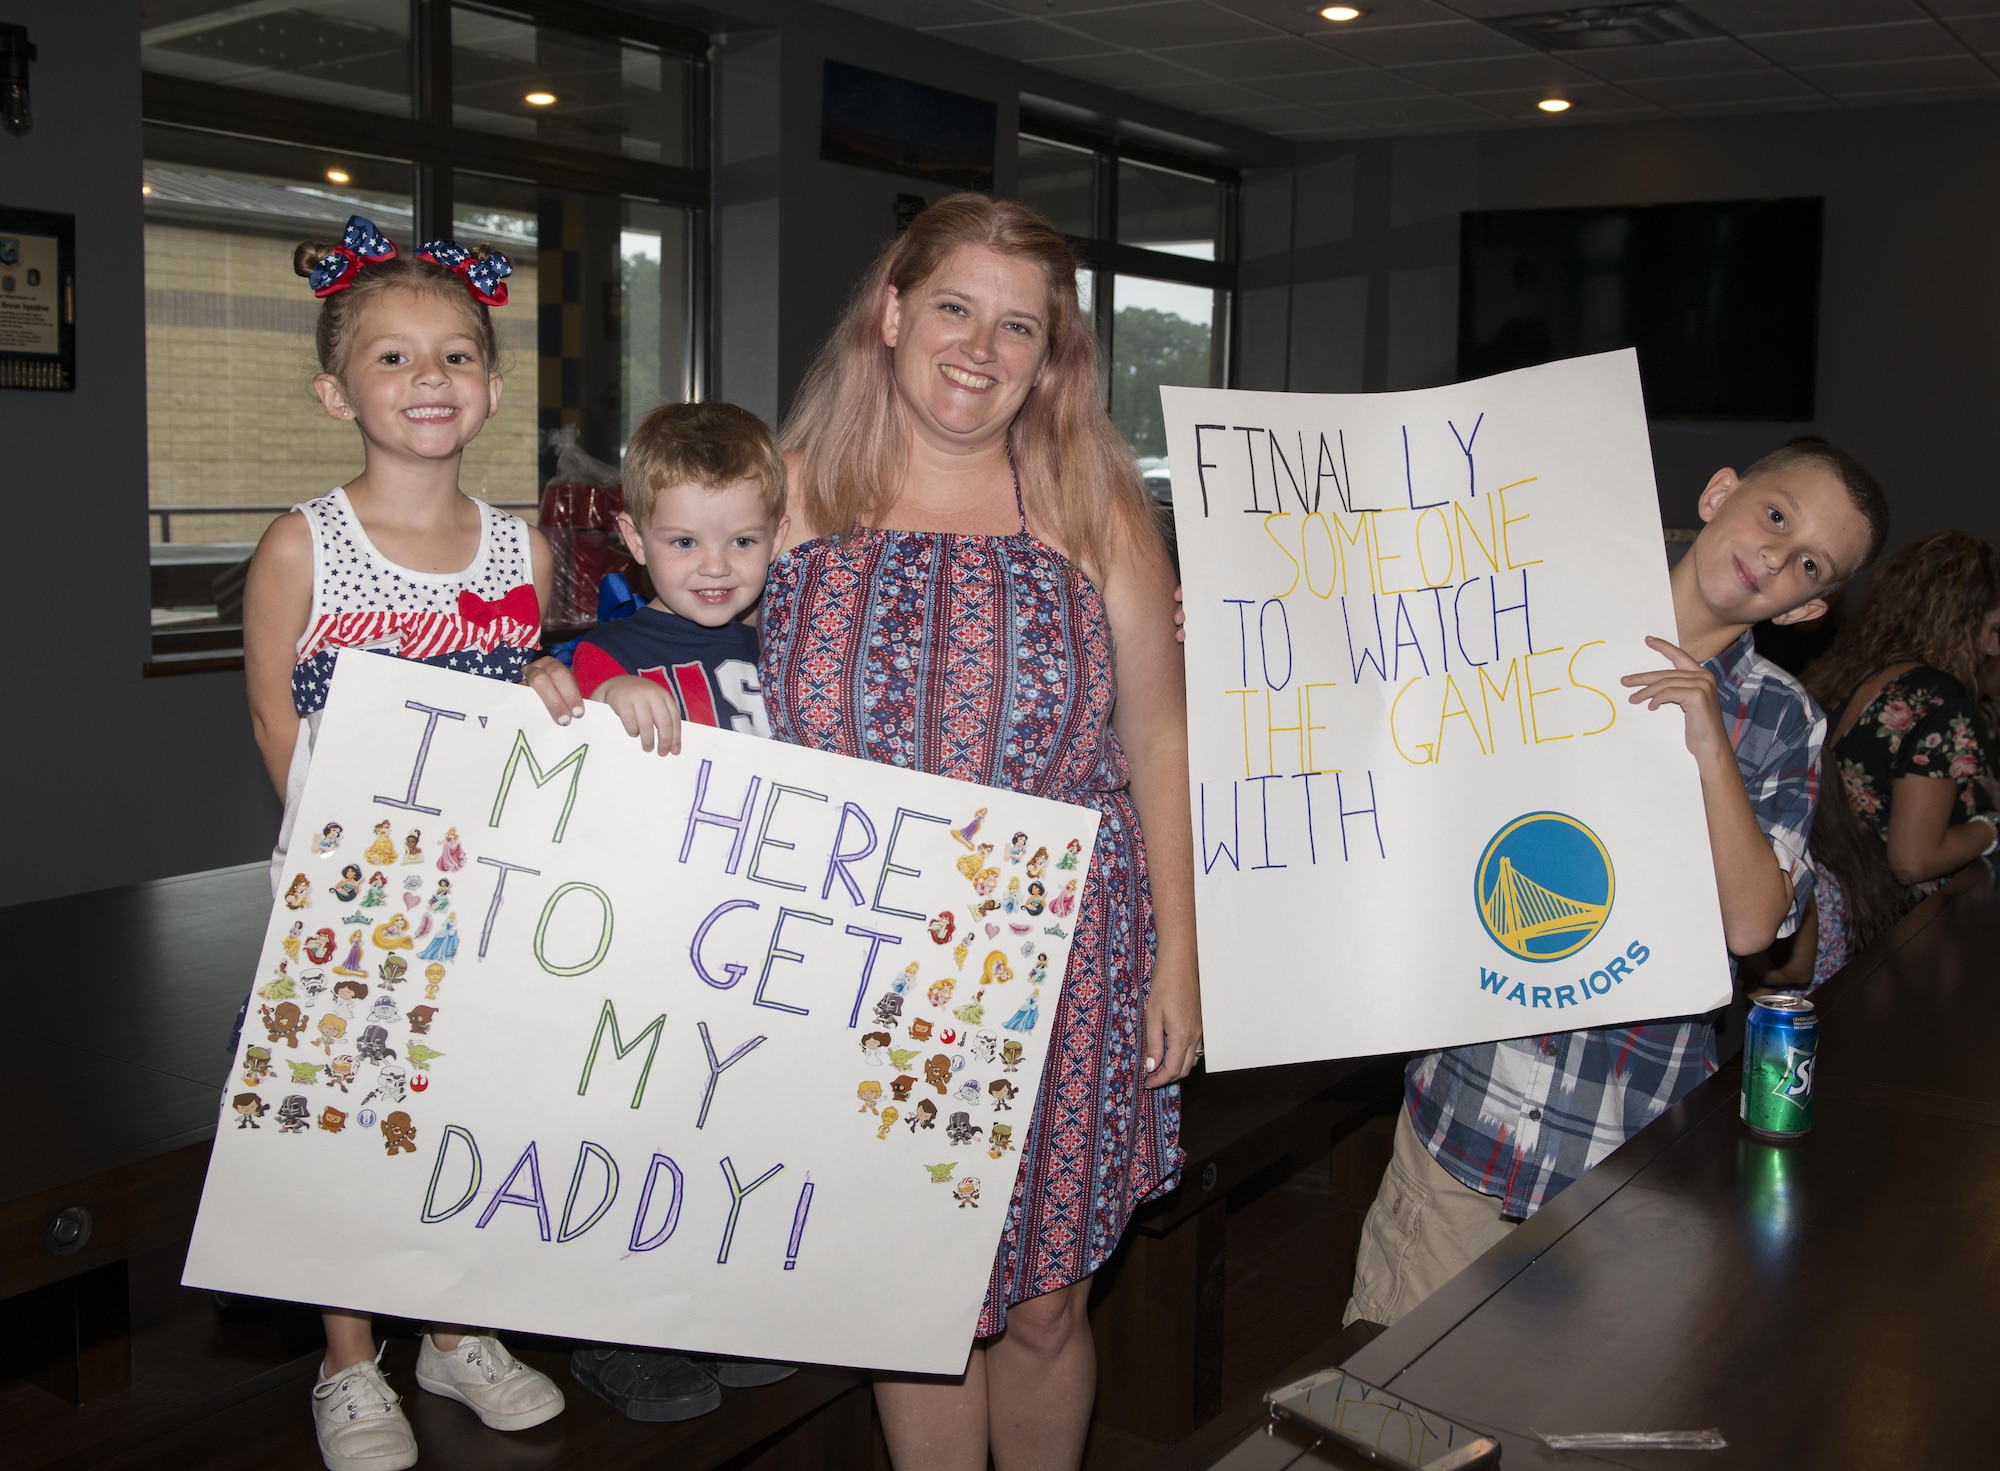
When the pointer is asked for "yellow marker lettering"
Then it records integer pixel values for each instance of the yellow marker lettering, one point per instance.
(1335, 561)
(1528, 683)
(1463, 712)
(1424, 562)
(1610, 706)
(1430, 752)
(1268, 531)
(1271, 729)
(1506, 542)
(1311, 762)
(1466, 528)
(1499, 693)
(1382, 558)
(1359, 541)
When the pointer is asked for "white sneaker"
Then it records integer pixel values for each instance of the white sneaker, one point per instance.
(359, 1420)
(497, 1387)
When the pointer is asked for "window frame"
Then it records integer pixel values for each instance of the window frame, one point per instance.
(1104, 254)
(434, 148)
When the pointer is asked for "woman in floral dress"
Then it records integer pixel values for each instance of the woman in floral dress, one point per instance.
(1903, 681)
(978, 589)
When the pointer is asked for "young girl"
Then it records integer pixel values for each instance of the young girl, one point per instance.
(398, 557)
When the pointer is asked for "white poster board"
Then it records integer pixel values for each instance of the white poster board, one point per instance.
(718, 1052)
(1424, 812)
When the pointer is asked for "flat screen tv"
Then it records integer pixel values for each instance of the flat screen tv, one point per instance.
(1721, 300)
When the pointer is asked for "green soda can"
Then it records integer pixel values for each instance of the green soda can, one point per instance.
(1779, 1049)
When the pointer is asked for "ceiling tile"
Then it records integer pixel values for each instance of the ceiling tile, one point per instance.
(1744, 109)
(1275, 56)
(1899, 76)
(1063, 9)
(1675, 59)
(918, 14)
(1744, 87)
(1023, 40)
(1332, 132)
(1503, 71)
(1902, 41)
(1461, 40)
(1177, 23)
(1301, 17)
(1586, 102)
(1981, 33)
(1742, 17)
(1395, 112)
(1274, 119)
(1124, 69)
(1489, 9)
(1354, 86)
(1206, 97)
(1954, 9)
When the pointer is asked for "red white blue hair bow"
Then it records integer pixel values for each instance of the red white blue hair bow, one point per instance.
(361, 244)
(484, 278)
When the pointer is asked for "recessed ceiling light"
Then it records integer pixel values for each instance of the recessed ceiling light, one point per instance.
(1341, 13)
(339, 176)
(540, 99)
(145, 188)
(1554, 104)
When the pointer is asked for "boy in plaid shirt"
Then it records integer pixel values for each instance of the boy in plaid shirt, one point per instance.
(1491, 1131)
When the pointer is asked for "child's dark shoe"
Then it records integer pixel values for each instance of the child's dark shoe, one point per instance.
(645, 1386)
(745, 1373)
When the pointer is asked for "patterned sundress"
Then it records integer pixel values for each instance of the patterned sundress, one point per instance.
(1921, 723)
(989, 659)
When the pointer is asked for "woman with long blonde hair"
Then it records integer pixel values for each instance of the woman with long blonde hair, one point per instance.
(1901, 684)
(978, 588)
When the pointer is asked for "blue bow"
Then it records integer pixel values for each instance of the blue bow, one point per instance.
(615, 600)
(361, 244)
(485, 279)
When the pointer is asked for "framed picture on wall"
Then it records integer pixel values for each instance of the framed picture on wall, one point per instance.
(37, 300)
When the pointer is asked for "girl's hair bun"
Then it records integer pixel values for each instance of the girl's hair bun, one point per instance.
(308, 254)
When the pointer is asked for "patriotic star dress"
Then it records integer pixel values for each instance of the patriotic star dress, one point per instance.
(483, 620)
(989, 658)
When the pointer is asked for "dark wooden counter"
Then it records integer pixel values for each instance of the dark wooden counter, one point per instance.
(1830, 1303)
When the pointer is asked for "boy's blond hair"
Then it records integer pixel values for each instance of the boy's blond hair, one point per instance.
(709, 445)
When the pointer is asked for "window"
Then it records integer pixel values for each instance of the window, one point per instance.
(1155, 235)
(578, 149)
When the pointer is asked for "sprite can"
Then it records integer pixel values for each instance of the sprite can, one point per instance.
(1779, 1050)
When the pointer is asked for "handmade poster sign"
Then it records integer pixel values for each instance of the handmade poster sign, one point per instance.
(732, 1051)
(1425, 813)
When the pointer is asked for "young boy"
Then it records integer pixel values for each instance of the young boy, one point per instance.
(1490, 1132)
(704, 508)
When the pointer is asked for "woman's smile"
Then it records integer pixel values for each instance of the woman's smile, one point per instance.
(966, 378)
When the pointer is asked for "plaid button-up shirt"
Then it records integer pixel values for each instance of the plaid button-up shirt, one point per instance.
(1522, 1119)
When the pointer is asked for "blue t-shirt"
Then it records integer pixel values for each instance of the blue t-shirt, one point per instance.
(711, 671)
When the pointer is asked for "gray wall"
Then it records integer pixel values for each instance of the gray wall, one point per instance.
(115, 777)
(1910, 293)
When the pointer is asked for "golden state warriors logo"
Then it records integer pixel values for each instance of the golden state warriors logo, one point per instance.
(1544, 886)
